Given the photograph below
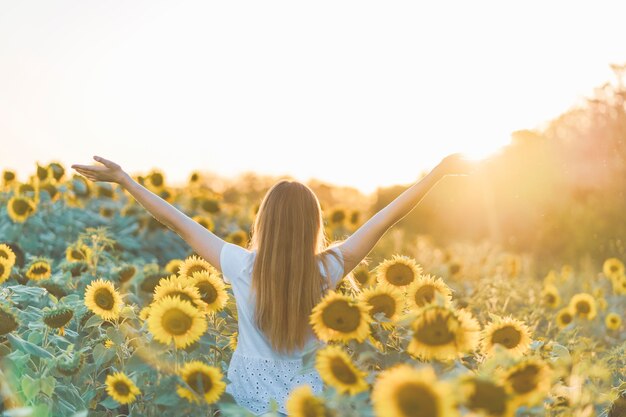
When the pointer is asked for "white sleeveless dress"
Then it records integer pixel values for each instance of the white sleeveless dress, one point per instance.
(256, 372)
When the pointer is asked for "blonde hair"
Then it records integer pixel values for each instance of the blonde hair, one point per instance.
(288, 234)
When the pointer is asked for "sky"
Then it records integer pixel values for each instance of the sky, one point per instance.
(357, 93)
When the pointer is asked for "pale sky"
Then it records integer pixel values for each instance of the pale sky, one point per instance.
(357, 93)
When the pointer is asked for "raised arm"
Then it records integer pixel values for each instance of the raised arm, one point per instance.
(361, 242)
(202, 241)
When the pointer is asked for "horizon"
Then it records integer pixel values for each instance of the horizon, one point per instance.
(352, 94)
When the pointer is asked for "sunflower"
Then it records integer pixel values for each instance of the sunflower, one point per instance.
(5, 270)
(121, 388)
(8, 177)
(424, 290)
(302, 403)
(583, 305)
(442, 333)
(384, 299)
(363, 276)
(486, 397)
(20, 208)
(102, 299)
(564, 317)
(44, 173)
(193, 264)
(210, 205)
(7, 254)
(8, 321)
(155, 180)
(400, 271)
(613, 321)
(172, 319)
(340, 317)
(509, 333)
(232, 341)
(57, 170)
(612, 267)
(126, 273)
(337, 217)
(566, 272)
(178, 287)
(58, 318)
(144, 313)
(403, 391)
(238, 237)
(211, 289)
(337, 370)
(529, 380)
(205, 382)
(205, 221)
(173, 266)
(39, 269)
(550, 296)
(78, 253)
(70, 366)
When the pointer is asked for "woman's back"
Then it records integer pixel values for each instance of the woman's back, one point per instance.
(256, 371)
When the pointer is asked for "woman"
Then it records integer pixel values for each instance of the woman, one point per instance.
(281, 276)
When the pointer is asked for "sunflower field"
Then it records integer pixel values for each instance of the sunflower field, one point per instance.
(106, 312)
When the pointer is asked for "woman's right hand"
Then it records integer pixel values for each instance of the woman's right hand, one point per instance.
(109, 171)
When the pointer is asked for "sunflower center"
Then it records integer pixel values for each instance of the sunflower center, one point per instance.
(182, 295)
(21, 207)
(361, 276)
(176, 321)
(311, 407)
(342, 371)
(104, 299)
(489, 397)
(382, 303)
(435, 332)
(424, 295)
(416, 400)
(400, 274)
(200, 382)
(207, 292)
(7, 323)
(157, 179)
(1, 269)
(341, 316)
(121, 388)
(195, 268)
(550, 298)
(583, 307)
(525, 379)
(566, 318)
(40, 269)
(508, 336)
(76, 254)
(127, 273)
(613, 268)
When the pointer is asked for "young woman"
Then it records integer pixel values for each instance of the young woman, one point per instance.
(281, 276)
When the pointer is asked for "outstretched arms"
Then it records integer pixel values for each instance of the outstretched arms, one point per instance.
(202, 241)
(361, 242)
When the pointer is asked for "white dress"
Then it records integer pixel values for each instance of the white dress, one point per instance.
(256, 372)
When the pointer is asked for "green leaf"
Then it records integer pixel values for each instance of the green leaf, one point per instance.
(47, 385)
(94, 320)
(82, 413)
(115, 335)
(109, 403)
(30, 387)
(101, 354)
(168, 398)
(28, 347)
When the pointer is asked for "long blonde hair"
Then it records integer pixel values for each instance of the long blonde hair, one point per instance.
(288, 235)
